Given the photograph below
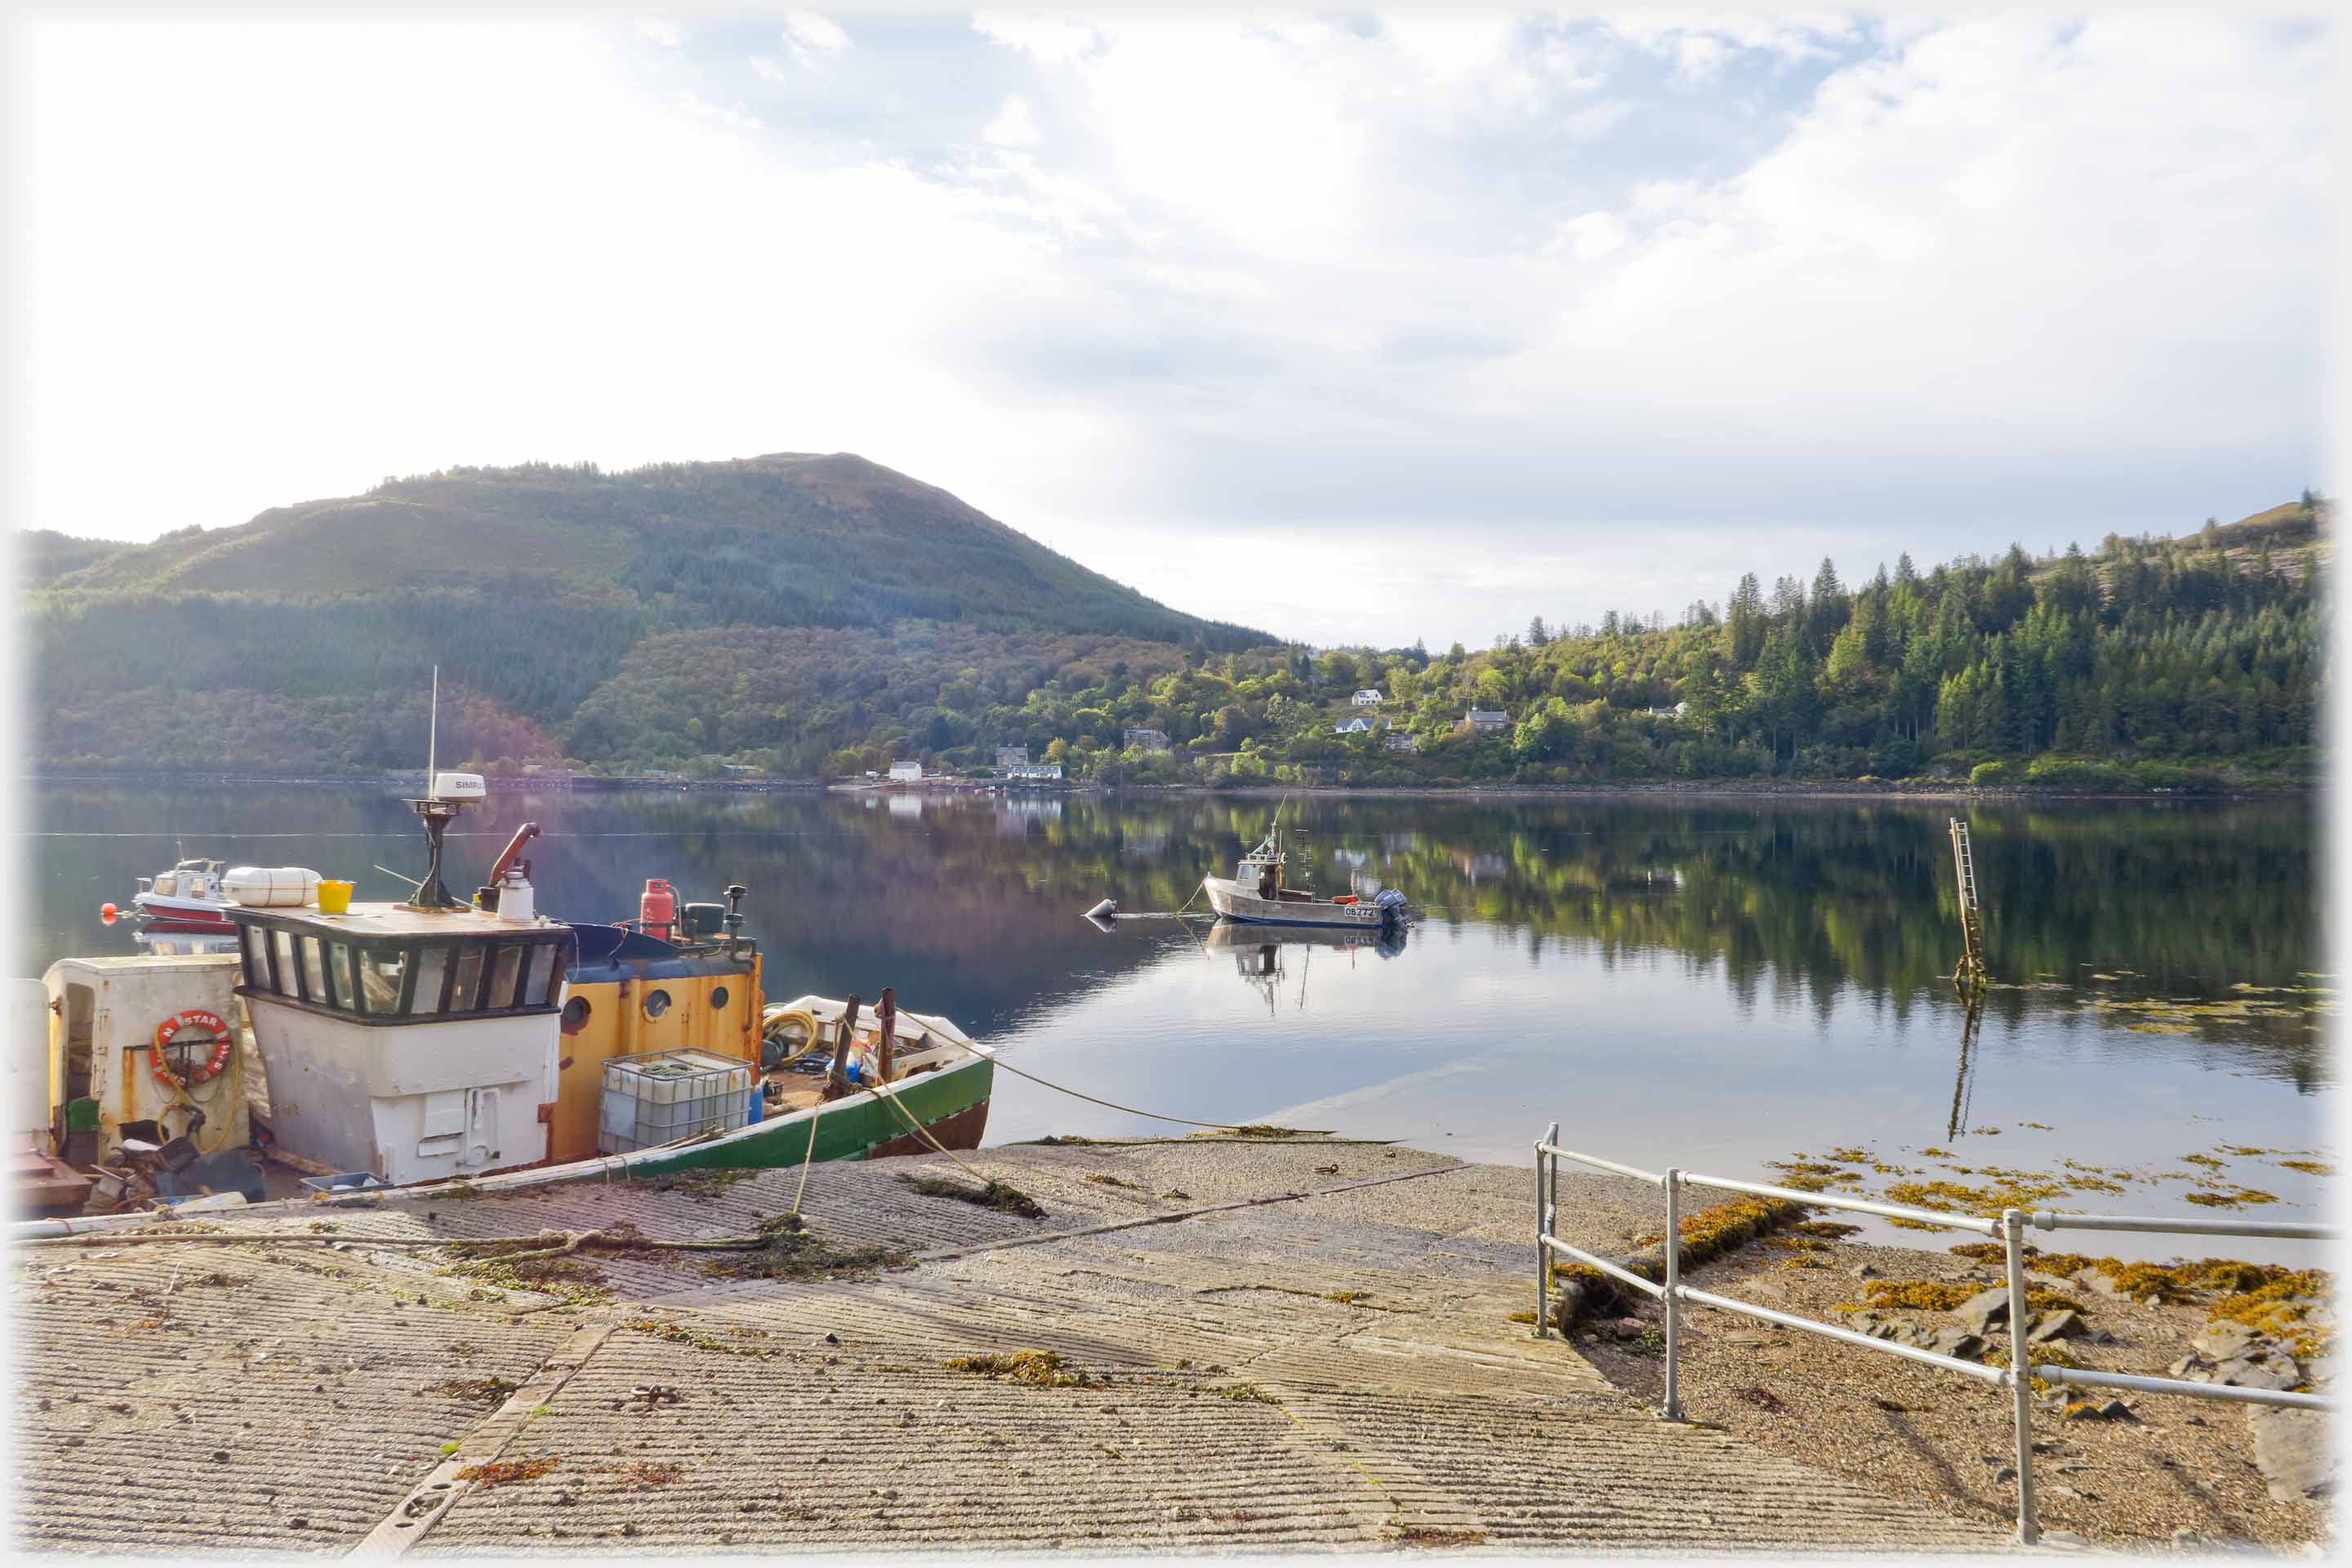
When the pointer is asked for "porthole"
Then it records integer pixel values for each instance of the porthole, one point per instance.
(656, 1004)
(718, 996)
(575, 1015)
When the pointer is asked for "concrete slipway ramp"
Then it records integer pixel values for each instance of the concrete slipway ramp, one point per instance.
(1333, 1370)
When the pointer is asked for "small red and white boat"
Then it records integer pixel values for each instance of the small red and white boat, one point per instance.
(188, 896)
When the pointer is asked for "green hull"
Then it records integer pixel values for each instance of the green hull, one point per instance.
(951, 1104)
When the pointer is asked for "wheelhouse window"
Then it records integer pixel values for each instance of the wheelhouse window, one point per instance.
(536, 991)
(381, 971)
(505, 974)
(465, 995)
(432, 980)
(384, 980)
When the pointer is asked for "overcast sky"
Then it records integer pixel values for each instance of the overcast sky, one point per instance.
(1354, 327)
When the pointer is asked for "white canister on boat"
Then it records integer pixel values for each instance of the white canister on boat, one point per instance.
(271, 887)
(516, 903)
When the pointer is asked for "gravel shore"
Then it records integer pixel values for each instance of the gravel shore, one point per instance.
(2173, 1471)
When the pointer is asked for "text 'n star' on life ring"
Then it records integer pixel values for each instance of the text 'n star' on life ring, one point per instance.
(202, 1025)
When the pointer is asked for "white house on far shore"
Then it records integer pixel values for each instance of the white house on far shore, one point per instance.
(906, 773)
(1368, 698)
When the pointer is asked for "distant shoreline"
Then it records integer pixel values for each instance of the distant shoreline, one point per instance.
(1729, 790)
(1717, 789)
(495, 784)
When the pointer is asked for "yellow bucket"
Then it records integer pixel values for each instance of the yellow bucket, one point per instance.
(334, 897)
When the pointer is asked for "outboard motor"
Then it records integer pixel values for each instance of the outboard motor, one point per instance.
(1390, 903)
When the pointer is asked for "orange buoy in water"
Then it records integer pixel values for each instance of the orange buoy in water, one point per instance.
(107, 913)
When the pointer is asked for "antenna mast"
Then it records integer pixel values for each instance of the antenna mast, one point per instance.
(436, 814)
(433, 737)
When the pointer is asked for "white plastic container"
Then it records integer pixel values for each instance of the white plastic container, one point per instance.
(271, 887)
(662, 1096)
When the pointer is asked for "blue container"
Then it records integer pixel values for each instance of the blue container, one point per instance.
(759, 1106)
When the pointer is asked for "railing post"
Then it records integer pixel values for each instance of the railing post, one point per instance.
(2021, 1374)
(1674, 1185)
(1551, 1189)
(1543, 1230)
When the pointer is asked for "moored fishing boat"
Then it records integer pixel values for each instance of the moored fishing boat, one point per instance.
(1259, 892)
(435, 1040)
(188, 896)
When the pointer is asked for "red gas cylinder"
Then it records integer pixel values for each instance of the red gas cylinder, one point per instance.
(658, 908)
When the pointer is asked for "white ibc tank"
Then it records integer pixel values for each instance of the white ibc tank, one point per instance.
(271, 887)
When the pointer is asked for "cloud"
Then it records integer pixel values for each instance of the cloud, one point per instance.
(1049, 40)
(1701, 43)
(1591, 236)
(735, 118)
(1460, 318)
(656, 31)
(810, 37)
(1015, 125)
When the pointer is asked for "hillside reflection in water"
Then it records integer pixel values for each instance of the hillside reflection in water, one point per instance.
(1714, 984)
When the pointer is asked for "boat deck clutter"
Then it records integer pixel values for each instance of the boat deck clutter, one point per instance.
(435, 1041)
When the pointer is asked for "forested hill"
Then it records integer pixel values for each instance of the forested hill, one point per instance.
(817, 616)
(297, 640)
(2151, 662)
(783, 540)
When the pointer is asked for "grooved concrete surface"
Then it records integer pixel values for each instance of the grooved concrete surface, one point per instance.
(1334, 1372)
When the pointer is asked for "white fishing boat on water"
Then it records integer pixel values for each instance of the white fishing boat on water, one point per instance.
(188, 896)
(1259, 892)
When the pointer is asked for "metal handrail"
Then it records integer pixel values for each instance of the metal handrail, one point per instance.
(1991, 1375)
(1650, 1286)
(2088, 1379)
(1638, 1176)
(2018, 1376)
(1856, 1206)
(2285, 1230)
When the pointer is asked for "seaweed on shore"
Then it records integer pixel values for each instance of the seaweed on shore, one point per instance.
(1706, 1236)
(788, 1250)
(995, 1194)
(1036, 1368)
(502, 1472)
(708, 1181)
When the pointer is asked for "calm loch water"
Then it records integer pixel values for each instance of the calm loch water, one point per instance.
(1719, 985)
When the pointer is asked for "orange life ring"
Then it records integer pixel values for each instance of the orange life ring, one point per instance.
(168, 1030)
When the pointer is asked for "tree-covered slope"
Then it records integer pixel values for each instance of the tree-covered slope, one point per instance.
(532, 587)
(2156, 661)
(783, 540)
(43, 554)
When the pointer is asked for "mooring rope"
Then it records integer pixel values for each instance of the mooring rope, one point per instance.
(809, 1159)
(1114, 1105)
(548, 1243)
(883, 1092)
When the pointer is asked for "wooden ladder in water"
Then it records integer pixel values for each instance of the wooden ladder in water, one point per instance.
(1970, 975)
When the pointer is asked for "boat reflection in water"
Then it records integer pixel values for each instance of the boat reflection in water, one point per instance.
(1265, 961)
